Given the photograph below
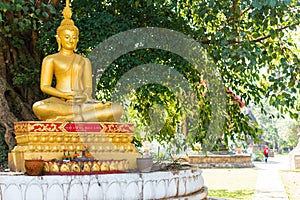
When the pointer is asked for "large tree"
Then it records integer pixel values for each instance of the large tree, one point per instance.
(243, 38)
(20, 59)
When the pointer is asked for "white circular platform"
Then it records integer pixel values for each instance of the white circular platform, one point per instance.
(126, 186)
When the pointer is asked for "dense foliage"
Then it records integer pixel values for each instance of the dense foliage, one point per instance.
(20, 23)
(249, 42)
(3, 150)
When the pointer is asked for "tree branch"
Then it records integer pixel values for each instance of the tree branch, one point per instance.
(278, 30)
(235, 5)
(53, 2)
(205, 41)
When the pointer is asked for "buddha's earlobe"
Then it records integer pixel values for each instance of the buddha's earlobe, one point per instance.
(58, 42)
(75, 48)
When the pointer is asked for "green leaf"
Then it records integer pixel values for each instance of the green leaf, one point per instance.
(21, 24)
(7, 28)
(34, 25)
(18, 7)
(52, 9)
(272, 3)
(25, 9)
(45, 14)
(37, 11)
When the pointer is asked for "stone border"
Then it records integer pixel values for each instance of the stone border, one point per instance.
(128, 186)
(222, 161)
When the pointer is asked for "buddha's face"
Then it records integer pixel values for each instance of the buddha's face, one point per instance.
(68, 39)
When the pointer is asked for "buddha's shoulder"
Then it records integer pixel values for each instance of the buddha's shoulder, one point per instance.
(80, 57)
(51, 57)
(58, 56)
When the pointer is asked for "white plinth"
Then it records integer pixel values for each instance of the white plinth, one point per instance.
(294, 156)
(127, 186)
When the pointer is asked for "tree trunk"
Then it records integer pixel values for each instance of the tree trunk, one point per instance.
(15, 100)
(7, 118)
(18, 52)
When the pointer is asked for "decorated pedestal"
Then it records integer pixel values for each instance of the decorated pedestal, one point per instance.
(51, 140)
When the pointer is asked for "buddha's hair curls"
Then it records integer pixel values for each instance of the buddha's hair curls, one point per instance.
(66, 24)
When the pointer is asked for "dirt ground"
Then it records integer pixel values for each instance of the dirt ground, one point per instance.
(246, 178)
(291, 181)
(230, 179)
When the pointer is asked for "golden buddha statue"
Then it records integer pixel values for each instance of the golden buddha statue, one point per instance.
(71, 96)
(69, 106)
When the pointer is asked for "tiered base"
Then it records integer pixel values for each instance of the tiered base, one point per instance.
(185, 184)
(51, 140)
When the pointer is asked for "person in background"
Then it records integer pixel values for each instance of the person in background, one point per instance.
(266, 153)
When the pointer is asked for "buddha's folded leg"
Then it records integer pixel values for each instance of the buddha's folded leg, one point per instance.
(55, 109)
(106, 112)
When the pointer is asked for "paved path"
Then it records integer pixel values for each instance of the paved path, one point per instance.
(269, 185)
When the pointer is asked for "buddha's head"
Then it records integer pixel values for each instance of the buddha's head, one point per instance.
(67, 33)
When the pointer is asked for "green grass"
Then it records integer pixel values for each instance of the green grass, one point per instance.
(237, 194)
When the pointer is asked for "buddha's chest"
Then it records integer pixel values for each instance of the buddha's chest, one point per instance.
(67, 67)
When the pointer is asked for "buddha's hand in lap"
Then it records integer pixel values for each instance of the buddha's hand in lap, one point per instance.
(93, 101)
(79, 98)
(76, 98)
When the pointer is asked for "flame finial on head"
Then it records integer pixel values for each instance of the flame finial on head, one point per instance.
(67, 22)
(67, 12)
